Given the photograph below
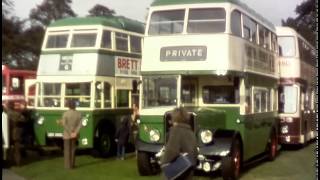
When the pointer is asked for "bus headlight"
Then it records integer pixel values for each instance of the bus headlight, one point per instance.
(40, 120)
(284, 129)
(206, 136)
(84, 121)
(154, 135)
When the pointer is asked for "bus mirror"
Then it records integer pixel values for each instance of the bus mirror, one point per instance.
(280, 51)
(135, 84)
(99, 86)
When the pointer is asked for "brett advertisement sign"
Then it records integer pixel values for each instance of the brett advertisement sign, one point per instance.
(127, 66)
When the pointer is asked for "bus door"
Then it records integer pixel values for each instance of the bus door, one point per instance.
(29, 91)
(306, 115)
(189, 91)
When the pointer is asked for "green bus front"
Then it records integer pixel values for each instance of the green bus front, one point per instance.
(94, 61)
(222, 108)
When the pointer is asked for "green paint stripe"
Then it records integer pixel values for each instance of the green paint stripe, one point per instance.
(99, 51)
(113, 21)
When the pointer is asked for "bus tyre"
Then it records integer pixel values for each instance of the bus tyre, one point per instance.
(231, 164)
(272, 146)
(104, 144)
(144, 165)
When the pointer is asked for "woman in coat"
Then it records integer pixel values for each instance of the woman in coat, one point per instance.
(181, 140)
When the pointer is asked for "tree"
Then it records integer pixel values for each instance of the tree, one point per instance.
(21, 45)
(305, 22)
(6, 7)
(51, 10)
(100, 10)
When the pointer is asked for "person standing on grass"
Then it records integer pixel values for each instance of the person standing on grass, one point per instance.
(16, 123)
(134, 124)
(71, 122)
(122, 136)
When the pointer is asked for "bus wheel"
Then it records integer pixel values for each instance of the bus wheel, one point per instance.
(104, 144)
(231, 164)
(144, 164)
(272, 146)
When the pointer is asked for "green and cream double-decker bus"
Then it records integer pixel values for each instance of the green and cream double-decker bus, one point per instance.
(297, 93)
(94, 61)
(218, 59)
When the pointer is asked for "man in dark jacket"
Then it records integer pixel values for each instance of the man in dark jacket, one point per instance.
(16, 123)
(122, 136)
(181, 140)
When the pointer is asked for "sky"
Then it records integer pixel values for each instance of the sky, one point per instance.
(273, 10)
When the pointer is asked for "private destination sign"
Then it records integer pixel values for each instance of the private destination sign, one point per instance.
(183, 53)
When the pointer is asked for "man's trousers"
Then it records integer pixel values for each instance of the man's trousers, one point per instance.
(69, 153)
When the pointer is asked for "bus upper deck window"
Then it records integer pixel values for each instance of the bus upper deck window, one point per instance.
(287, 45)
(57, 41)
(166, 22)
(211, 20)
(249, 29)
(106, 39)
(84, 40)
(122, 41)
(236, 23)
(135, 44)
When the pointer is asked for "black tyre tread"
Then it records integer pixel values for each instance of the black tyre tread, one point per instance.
(273, 136)
(144, 165)
(228, 167)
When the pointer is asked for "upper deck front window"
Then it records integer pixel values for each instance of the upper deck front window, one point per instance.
(84, 40)
(212, 20)
(57, 41)
(287, 46)
(166, 22)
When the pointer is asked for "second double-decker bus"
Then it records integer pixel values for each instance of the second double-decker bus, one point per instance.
(15, 84)
(95, 62)
(217, 58)
(297, 93)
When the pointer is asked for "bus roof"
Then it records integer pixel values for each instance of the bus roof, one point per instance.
(119, 22)
(236, 2)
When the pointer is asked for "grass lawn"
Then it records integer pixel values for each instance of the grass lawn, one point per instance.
(289, 165)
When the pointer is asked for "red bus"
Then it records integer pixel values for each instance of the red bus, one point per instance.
(14, 86)
(297, 90)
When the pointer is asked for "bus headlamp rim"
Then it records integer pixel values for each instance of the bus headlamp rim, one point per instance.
(284, 129)
(40, 120)
(206, 136)
(154, 135)
(84, 121)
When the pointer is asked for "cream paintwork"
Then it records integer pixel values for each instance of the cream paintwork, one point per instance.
(293, 67)
(156, 110)
(224, 52)
(82, 64)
